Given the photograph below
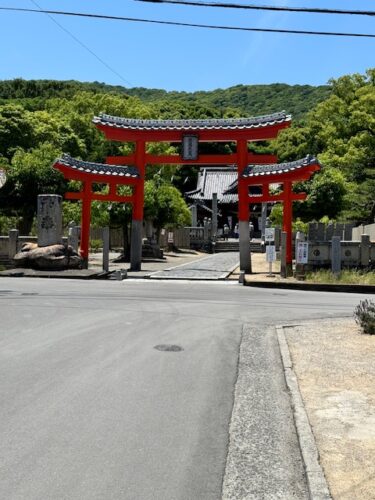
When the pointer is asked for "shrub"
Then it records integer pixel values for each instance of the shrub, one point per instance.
(95, 245)
(364, 315)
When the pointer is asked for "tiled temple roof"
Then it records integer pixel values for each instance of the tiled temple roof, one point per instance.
(201, 124)
(278, 168)
(97, 168)
(273, 169)
(214, 180)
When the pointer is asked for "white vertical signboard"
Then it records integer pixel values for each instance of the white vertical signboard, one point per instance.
(270, 253)
(269, 234)
(302, 252)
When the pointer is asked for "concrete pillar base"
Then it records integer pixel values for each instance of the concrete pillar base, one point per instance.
(136, 246)
(245, 257)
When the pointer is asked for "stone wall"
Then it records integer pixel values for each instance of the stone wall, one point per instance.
(319, 231)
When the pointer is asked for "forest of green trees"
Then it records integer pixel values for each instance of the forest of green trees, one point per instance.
(40, 119)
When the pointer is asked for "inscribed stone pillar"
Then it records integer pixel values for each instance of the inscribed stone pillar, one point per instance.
(336, 255)
(194, 217)
(205, 229)
(214, 215)
(13, 243)
(365, 250)
(49, 219)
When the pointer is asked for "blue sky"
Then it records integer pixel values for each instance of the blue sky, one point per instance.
(175, 58)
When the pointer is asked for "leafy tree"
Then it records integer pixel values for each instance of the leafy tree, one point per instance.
(28, 175)
(164, 205)
(341, 131)
(16, 130)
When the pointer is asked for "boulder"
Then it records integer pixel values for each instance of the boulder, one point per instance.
(52, 257)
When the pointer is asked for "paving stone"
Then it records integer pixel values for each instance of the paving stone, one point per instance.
(213, 267)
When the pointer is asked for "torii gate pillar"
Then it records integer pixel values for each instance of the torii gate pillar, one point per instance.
(243, 208)
(137, 220)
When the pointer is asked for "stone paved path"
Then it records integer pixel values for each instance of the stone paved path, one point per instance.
(214, 267)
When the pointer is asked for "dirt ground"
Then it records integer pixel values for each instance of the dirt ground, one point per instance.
(335, 367)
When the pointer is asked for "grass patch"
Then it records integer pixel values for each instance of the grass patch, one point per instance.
(348, 277)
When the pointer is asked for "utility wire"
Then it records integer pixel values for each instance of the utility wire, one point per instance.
(190, 25)
(264, 7)
(79, 42)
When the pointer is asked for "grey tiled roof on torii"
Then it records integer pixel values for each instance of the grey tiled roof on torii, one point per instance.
(201, 124)
(278, 168)
(98, 168)
(252, 171)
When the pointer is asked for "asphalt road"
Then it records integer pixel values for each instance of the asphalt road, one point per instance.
(89, 409)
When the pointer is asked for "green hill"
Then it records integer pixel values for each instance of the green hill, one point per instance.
(245, 100)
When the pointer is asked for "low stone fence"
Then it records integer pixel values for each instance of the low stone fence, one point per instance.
(364, 229)
(352, 253)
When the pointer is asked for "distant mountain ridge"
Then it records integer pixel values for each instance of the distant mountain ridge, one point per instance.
(245, 100)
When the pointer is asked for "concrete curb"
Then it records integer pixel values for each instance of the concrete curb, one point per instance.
(316, 481)
(312, 287)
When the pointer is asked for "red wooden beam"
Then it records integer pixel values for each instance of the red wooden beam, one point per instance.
(100, 197)
(223, 135)
(276, 198)
(261, 159)
(121, 160)
(224, 159)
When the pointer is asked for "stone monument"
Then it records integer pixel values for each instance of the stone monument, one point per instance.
(49, 220)
(49, 253)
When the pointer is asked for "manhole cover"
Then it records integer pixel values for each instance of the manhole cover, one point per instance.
(168, 347)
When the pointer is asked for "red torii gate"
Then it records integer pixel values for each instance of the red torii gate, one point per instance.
(192, 132)
(89, 173)
(282, 175)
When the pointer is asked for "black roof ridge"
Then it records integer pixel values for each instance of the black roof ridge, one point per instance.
(98, 168)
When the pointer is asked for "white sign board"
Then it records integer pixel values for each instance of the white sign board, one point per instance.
(190, 147)
(270, 253)
(170, 237)
(269, 234)
(302, 252)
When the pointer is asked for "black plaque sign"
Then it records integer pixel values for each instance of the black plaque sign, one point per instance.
(190, 147)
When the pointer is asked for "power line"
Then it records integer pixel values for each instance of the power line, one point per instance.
(264, 7)
(191, 25)
(80, 43)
